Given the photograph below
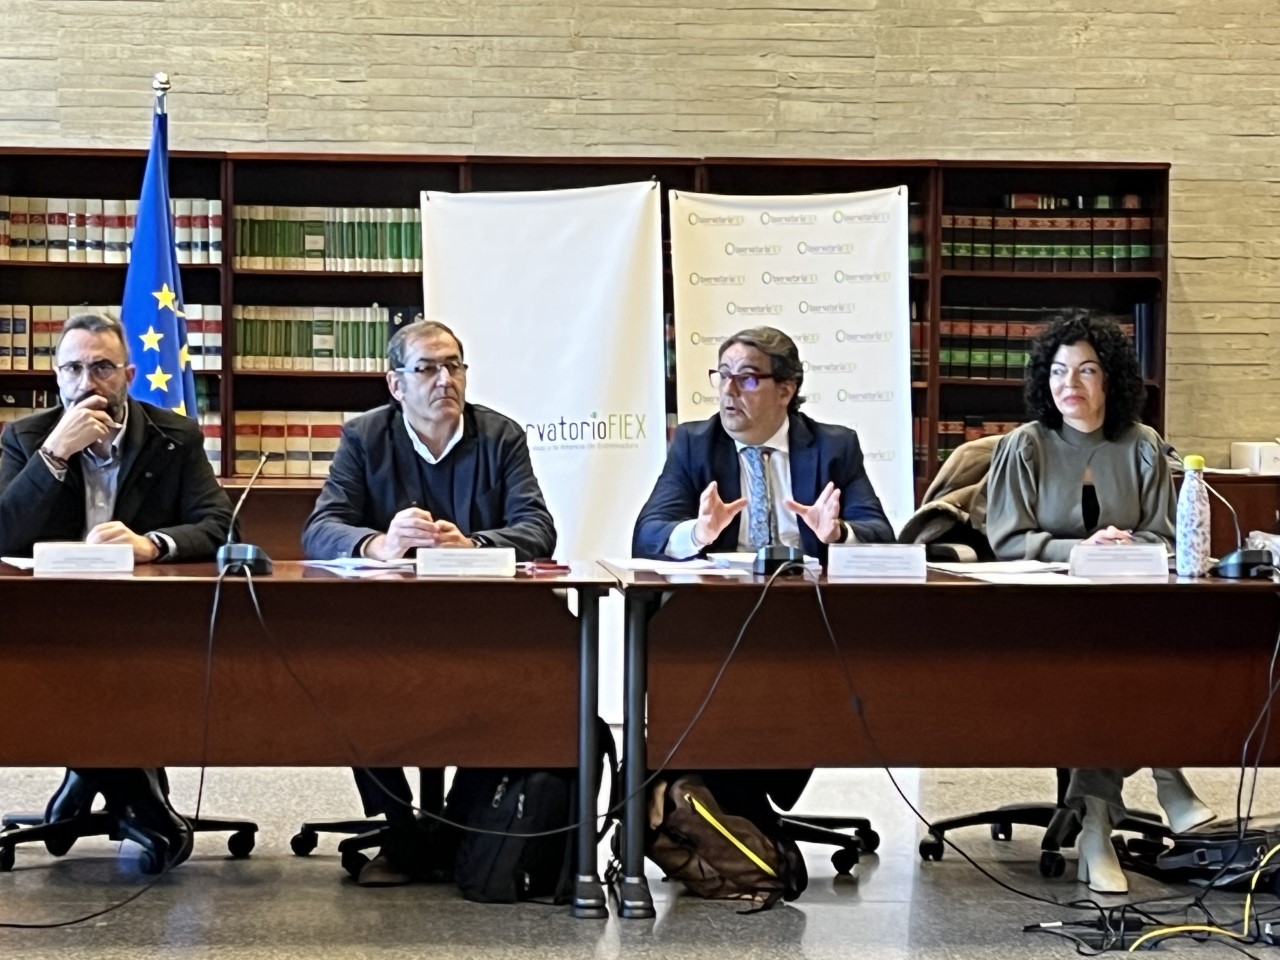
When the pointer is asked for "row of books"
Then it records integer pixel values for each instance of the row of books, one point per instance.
(954, 431)
(343, 339)
(298, 443)
(29, 334)
(16, 404)
(994, 343)
(1057, 201)
(1009, 240)
(341, 239)
(917, 234)
(62, 230)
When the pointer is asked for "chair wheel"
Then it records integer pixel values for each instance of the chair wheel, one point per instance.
(845, 860)
(1052, 864)
(6, 858)
(241, 843)
(303, 842)
(870, 840)
(1002, 831)
(353, 862)
(931, 848)
(59, 846)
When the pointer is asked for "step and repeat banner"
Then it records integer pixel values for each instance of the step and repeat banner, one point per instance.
(831, 271)
(557, 296)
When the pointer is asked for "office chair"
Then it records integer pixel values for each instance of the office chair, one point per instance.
(111, 821)
(366, 833)
(1061, 826)
(826, 830)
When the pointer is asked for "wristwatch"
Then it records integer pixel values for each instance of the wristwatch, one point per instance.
(480, 540)
(161, 544)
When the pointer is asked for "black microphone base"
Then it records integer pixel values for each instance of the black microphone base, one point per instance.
(770, 559)
(1244, 565)
(241, 558)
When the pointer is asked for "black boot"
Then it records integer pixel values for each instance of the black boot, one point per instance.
(74, 796)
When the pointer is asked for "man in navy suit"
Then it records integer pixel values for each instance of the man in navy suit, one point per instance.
(759, 472)
(430, 470)
(810, 488)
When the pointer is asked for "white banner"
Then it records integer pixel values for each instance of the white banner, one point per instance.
(830, 270)
(557, 296)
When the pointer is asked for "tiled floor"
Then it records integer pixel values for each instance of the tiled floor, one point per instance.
(275, 905)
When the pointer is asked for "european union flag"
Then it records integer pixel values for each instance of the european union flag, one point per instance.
(152, 308)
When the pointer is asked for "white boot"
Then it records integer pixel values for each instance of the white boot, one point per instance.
(1098, 865)
(1182, 807)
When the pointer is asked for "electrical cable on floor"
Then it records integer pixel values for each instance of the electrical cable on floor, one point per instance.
(1111, 938)
(164, 870)
(358, 762)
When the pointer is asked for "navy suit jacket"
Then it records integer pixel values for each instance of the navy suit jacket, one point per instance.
(701, 452)
(375, 475)
(165, 485)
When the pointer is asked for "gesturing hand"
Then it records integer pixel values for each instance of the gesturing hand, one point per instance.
(83, 423)
(823, 516)
(448, 535)
(410, 528)
(714, 514)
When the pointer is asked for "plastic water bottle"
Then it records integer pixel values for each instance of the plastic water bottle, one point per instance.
(1191, 552)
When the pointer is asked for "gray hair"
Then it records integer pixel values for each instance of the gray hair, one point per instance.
(95, 323)
(784, 356)
(399, 344)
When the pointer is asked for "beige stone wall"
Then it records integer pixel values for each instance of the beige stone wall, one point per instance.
(1194, 82)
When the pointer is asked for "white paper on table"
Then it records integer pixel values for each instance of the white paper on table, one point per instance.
(744, 560)
(1001, 567)
(22, 563)
(698, 566)
(1034, 579)
(360, 563)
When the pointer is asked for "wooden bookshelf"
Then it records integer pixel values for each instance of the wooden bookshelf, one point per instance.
(242, 180)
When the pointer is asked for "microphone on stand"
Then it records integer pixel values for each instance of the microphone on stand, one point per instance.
(243, 558)
(1241, 564)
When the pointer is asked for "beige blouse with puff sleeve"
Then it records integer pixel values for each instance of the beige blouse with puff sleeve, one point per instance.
(1037, 475)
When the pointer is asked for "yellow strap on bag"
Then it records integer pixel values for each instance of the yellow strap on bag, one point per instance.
(706, 815)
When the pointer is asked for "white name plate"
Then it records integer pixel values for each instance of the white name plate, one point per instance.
(81, 559)
(461, 562)
(876, 561)
(1111, 560)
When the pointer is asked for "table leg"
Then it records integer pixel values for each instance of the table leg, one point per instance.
(588, 894)
(634, 899)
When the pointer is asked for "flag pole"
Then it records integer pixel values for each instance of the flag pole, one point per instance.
(160, 85)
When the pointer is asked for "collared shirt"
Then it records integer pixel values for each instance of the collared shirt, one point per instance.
(427, 456)
(681, 544)
(102, 482)
(421, 448)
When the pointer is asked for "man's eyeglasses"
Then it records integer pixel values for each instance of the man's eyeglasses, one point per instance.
(430, 370)
(745, 381)
(98, 370)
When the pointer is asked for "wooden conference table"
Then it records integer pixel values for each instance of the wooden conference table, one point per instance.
(393, 671)
(951, 672)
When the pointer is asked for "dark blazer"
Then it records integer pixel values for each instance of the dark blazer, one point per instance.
(375, 475)
(165, 485)
(702, 452)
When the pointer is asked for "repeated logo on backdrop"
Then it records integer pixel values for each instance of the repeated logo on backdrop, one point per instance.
(830, 271)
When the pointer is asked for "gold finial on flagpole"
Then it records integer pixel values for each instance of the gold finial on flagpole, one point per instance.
(160, 85)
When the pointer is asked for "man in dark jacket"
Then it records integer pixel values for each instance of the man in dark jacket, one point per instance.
(430, 470)
(107, 469)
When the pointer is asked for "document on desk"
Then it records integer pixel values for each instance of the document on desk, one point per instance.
(1031, 579)
(362, 566)
(1002, 567)
(697, 567)
(22, 563)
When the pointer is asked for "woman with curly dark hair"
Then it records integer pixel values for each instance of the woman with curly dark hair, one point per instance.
(1087, 470)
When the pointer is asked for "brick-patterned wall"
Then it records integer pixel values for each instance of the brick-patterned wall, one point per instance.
(1194, 82)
